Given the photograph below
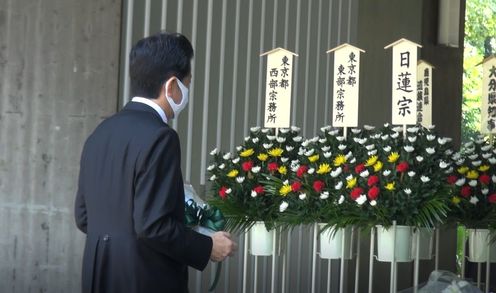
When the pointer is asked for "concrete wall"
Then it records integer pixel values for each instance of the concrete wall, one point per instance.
(58, 79)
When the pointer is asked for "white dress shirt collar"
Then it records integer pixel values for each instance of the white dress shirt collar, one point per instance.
(153, 105)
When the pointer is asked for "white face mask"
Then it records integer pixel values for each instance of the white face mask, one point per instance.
(177, 108)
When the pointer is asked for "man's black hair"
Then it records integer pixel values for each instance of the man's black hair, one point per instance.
(155, 59)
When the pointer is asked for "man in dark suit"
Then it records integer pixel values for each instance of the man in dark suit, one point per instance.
(130, 199)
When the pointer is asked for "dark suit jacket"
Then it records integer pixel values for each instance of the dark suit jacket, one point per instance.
(130, 203)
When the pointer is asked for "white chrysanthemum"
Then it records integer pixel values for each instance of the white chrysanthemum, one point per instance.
(255, 169)
(430, 151)
(236, 160)
(333, 132)
(474, 200)
(297, 138)
(425, 179)
(311, 171)
(411, 173)
(325, 128)
(255, 129)
(468, 144)
(486, 148)
(492, 160)
(228, 191)
(305, 143)
(363, 141)
(477, 163)
(267, 145)
(265, 130)
(356, 139)
(486, 155)
(448, 152)
(280, 139)
(419, 158)
(327, 155)
(240, 179)
(335, 173)
(473, 157)
(301, 152)
(295, 168)
(284, 159)
(271, 137)
(353, 161)
(407, 191)
(442, 140)
(408, 148)
(395, 135)
(253, 193)
(430, 137)
(485, 191)
(302, 196)
(284, 205)
(376, 136)
(295, 129)
(286, 182)
(364, 174)
(472, 183)
(340, 138)
(398, 129)
(309, 153)
(412, 139)
(341, 199)
(386, 125)
(255, 140)
(322, 140)
(284, 130)
(341, 147)
(324, 195)
(386, 173)
(289, 148)
(349, 177)
(348, 155)
(295, 163)
(373, 203)
(239, 148)
(413, 129)
(449, 170)
(460, 162)
(387, 149)
(338, 185)
(456, 156)
(369, 127)
(385, 137)
(214, 152)
(469, 151)
(356, 130)
(227, 156)
(361, 199)
(213, 178)
(372, 153)
(443, 165)
(222, 166)
(211, 167)
(370, 147)
(325, 148)
(460, 182)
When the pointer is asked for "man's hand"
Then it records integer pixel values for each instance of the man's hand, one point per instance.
(222, 247)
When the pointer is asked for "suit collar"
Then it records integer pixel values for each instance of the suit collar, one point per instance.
(135, 106)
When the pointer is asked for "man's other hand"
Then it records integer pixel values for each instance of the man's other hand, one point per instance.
(223, 246)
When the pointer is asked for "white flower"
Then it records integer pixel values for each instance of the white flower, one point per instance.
(430, 151)
(311, 170)
(326, 148)
(284, 130)
(468, 144)
(369, 127)
(361, 199)
(222, 166)
(240, 179)
(362, 141)
(364, 174)
(473, 157)
(341, 199)
(373, 203)
(412, 139)
(419, 158)
(280, 139)
(284, 205)
(376, 136)
(484, 191)
(460, 162)
(247, 138)
(338, 185)
(443, 165)
(325, 128)
(386, 125)
(305, 143)
(227, 156)
(407, 191)
(486, 155)
(295, 168)
(349, 177)
(302, 196)
(255, 140)
(387, 149)
(425, 179)
(397, 129)
(335, 173)
(386, 173)
(213, 178)
(333, 132)
(442, 141)
(255, 169)
(265, 130)
(449, 170)
(409, 148)
(271, 137)
(430, 137)
(301, 151)
(371, 153)
(456, 156)
(315, 139)
(356, 130)
(370, 147)
(431, 127)
(295, 129)
(295, 163)
(286, 182)
(214, 152)
(324, 195)
(211, 167)
(239, 148)
(474, 200)
(413, 129)
(340, 138)
(289, 148)
(341, 147)
(327, 155)
(492, 160)
(395, 135)
(385, 137)
(267, 145)
(348, 155)
(472, 183)
(284, 159)
(255, 129)
(228, 191)
(477, 163)
(235, 161)
(353, 161)
(253, 193)
(448, 152)
(322, 140)
(460, 182)
(486, 148)
(411, 173)
(309, 153)
(297, 138)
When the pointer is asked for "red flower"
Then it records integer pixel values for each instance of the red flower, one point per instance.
(373, 193)
(272, 166)
(452, 179)
(222, 192)
(356, 192)
(301, 171)
(247, 166)
(373, 180)
(296, 186)
(318, 186)
(359, 168)
(259, 189)
(465, 191)
(484, 179)
(492, 198)
(346, 168)
(402, 167)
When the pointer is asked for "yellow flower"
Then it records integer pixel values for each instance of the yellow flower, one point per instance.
(483, 168)
(283, 170)
(472, 174)
(351, 183)
(323, 169)
(455, 200)
(371, 161)
(462, 170)
(232, 173)
(277, 152)
(246, 153)
(313, 158)
(378, 166)
(262, 157)
(393, 157)
(285, 189)
(390, 186)
(339, 160)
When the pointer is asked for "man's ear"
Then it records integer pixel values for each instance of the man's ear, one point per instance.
(169, 86)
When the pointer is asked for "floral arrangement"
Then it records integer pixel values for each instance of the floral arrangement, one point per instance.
(473, 185)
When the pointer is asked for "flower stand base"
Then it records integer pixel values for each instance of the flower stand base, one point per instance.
(331, 245)
(385, 245)
(261, 240)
